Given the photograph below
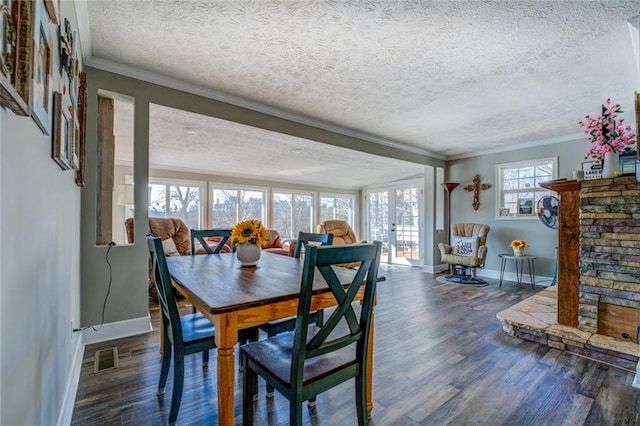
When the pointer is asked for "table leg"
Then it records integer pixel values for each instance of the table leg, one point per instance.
(519, 272)
(502, 266)
(532, 273)
(226, 338)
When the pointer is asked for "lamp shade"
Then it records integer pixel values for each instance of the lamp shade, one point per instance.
(449, 186)
(125, 195)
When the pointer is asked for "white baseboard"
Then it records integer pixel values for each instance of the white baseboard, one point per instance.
(117, 330)
(71, 389)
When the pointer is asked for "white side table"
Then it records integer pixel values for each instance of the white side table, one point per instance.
(504, 257)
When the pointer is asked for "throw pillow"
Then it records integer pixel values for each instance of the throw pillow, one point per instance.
(464, 246)
(169, 247)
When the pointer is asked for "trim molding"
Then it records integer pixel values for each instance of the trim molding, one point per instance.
(118, 330)
(71, 389)
(530, 144)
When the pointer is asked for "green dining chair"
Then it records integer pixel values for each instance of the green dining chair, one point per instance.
(182, 334)
(200, 235)
(308, 361)
(288, 324)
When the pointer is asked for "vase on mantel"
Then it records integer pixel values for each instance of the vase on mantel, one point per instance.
(248, 254)
(610, 165)
(518, 252)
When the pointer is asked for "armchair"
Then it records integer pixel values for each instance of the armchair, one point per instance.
(468, 246)
(342, 234)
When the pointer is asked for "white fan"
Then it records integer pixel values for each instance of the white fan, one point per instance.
(548, 211)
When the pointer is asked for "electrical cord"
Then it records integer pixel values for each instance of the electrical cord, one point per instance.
(106, 297)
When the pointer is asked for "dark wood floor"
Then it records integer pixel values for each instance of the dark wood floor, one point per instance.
(440, 358)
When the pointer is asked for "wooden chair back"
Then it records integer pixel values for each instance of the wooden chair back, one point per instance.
(357, 331)
(166, 292)
(306, 237)
(201, 234)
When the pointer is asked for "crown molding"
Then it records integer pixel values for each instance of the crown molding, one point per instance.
(176, 84)
(530, 144)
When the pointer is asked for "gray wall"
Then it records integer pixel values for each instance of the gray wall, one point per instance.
(542, 240)
(128, 299)
(39, 268)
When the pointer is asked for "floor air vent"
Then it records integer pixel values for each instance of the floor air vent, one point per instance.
(105, 359)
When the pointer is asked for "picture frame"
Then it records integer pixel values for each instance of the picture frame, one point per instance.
(73, 150)
(41, 70)
(592, 169)
(504, 212)
(15, 46)
(63, 131)
(82, 122)
(525, 207)
(53, 10)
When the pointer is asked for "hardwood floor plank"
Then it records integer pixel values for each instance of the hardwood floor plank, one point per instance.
(440, 358)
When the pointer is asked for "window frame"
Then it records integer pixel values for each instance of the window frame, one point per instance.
(314, 206)
(335, 195)
(238, 187)
(499, 173)
(180, 182)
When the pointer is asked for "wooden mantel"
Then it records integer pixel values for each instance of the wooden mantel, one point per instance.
(568, 249)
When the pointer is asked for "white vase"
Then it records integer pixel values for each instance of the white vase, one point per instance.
(248, 254)
(518, 252)
(610, 165)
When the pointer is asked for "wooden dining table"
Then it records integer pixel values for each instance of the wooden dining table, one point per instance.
(234, 298)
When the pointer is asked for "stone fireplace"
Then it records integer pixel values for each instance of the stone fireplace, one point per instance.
(609, 293)
(594, 311)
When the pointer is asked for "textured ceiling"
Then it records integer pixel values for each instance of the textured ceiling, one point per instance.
(444, 77)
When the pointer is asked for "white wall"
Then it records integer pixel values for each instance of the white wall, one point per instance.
(39, 270)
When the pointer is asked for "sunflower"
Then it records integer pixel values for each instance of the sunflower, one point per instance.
(249, 232)
(519, 244)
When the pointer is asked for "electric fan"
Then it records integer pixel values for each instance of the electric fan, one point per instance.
(548, 211)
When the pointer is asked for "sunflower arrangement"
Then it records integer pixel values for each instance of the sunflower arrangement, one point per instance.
(249, 232)
(519, 244)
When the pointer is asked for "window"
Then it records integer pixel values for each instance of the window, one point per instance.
(519, 189)
(176, 199)
(231, 205)
(292, 213)
(339, 206)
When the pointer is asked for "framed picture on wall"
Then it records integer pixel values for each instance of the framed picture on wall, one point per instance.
(525, 207)
(82, 121)
(63, 131)
(53, 10)
(41, 69)
(15, 45)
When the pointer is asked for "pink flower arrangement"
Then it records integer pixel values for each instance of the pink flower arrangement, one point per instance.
(606, 132)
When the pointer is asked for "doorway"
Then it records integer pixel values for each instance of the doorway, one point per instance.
(395, 217)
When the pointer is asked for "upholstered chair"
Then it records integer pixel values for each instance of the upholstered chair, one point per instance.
(467, 246)
(342, 234)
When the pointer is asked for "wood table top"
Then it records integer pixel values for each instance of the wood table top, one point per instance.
(221, 285)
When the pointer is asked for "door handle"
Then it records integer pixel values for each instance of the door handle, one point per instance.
(393, 227)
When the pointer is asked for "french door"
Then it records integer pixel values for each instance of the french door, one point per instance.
(395, 218)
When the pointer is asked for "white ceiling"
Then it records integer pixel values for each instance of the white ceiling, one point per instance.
(449, 78)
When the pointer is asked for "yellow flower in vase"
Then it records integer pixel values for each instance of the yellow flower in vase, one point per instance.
(249, 232)
(519, 244)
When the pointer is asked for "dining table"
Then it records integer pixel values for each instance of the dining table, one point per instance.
(234, 297)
